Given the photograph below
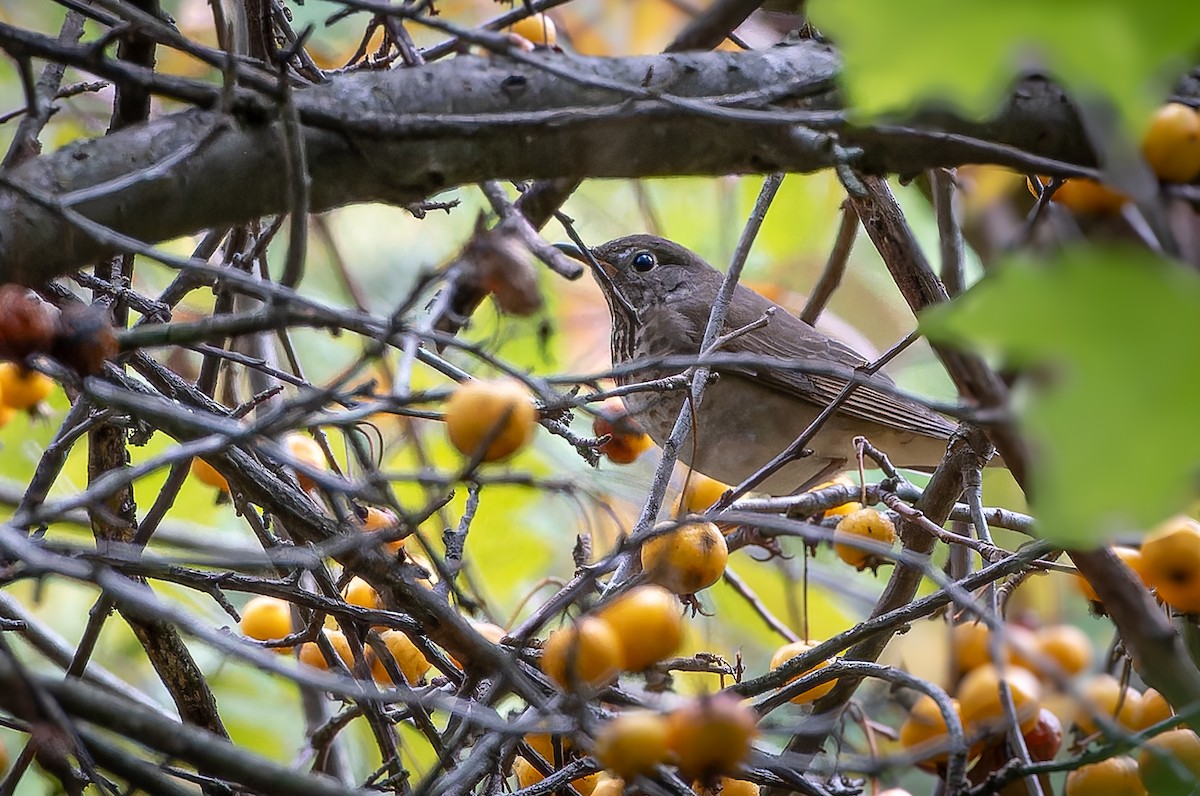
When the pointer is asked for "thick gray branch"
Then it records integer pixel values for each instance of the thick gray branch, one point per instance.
(403, 135)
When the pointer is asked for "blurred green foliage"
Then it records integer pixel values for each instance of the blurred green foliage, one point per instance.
(1121, 52)
(1112, 340)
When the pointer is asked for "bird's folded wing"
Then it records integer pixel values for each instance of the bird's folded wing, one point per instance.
(786, 337)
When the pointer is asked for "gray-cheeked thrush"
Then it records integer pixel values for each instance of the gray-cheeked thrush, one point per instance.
(660, 296)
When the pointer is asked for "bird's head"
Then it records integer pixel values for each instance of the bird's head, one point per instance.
(645, 270)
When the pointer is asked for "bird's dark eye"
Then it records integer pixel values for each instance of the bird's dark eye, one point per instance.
(643, 261)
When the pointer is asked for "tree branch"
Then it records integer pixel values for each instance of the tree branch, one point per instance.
(403, 135)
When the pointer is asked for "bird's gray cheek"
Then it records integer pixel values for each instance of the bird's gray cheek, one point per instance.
(677, 291)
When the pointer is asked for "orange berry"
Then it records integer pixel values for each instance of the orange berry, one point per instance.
(627, 441)
(711, 735)
(477, 408)
(545, 744)
(982, 708)
(267, 619)
(925, 732)
(609, 787)
(380, 520)
(1103, 694)
(632, 744)
(527, 775)
(1152, 710)
(863, 525)
(1169, 764)
(207, 474)
(789, 651)
(1116, 776)
(1171, 555)
(648, 623)
(311, 654)
(305, 450)
(359, 592)
(1090, 197)
(1131, 557)
(686, 558)
(971, 644)
(728, 786)
(411, 661)
(699, 493)
(1066, 645)
(1085, 196)
(1172, 143)
(845, 508)
(23, 389)
(537, 29)
(586, 654)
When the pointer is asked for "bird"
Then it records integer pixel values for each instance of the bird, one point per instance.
(660, 295)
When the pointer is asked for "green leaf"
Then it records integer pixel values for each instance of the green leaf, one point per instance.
(898, 54)
(1110, 410)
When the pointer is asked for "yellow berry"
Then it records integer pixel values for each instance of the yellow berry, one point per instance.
(478, 409)
(686, 558)
(305, 450)
(627, 441)
(1171, 555)
(1131, 557)
(1103, 694)
(728, 786)
(359, 592)
(789, 651)
(1085, 196)
(207, 474)
(538, 29)
(1068, 647)
(648, 622)
(700, 492)
(23, 389)
(586, 654)
(413, 664)
(1169, 764)
(612, 786)
(711, 735)
(267, 619)
(982, 708)
(845, 508)
(632, 744)
(380, 520)
(1172, 143)
(311, 654)
(1152, 710)
(1116, 776)
(864, 525)
(527, 775)
(925, 731)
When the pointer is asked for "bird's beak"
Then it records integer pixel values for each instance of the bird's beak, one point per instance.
(603, 272)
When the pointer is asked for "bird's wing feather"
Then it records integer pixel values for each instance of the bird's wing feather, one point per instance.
(787, 337)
